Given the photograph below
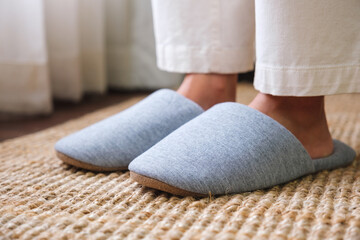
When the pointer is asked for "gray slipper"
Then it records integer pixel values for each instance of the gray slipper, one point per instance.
(113, 143)
(230, 148)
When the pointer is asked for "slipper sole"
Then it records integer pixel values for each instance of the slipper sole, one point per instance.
(76, 163)
(156, 184)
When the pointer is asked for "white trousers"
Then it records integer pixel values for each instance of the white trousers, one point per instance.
(303, 48)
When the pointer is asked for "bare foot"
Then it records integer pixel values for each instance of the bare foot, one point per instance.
(303, 116)
(209, 89)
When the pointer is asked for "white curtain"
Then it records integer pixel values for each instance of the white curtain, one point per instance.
(63, 48)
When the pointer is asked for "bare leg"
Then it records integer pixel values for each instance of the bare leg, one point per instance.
(209, 89)
(303, 116)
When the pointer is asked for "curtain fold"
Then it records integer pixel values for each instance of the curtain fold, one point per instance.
(64, 48)
(24, 82)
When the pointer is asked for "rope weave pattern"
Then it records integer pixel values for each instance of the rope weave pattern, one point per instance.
(42, 198)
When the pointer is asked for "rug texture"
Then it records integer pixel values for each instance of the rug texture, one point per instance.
(42, 198)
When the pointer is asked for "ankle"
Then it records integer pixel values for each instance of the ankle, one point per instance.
(209, 89)
(303, 116)
(306, 111)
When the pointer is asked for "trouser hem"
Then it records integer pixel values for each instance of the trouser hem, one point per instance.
(185, 59)
(307, 81)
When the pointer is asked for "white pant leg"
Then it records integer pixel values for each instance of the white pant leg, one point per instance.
(204, 36)
(307, 47)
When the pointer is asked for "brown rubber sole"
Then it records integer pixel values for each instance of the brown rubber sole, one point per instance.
(156, 184)
(76, 163)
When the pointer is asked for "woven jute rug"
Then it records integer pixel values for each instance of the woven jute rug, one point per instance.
(42, 198)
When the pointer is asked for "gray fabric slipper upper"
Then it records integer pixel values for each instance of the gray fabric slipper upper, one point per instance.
(232, 148)
(117, 140)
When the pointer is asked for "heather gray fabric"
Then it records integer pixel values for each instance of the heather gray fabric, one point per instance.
(117, 140)
(232, 148)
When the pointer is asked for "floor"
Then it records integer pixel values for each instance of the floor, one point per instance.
(16, 126)
(43, 198)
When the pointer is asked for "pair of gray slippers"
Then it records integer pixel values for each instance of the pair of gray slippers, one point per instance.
(169, 143)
